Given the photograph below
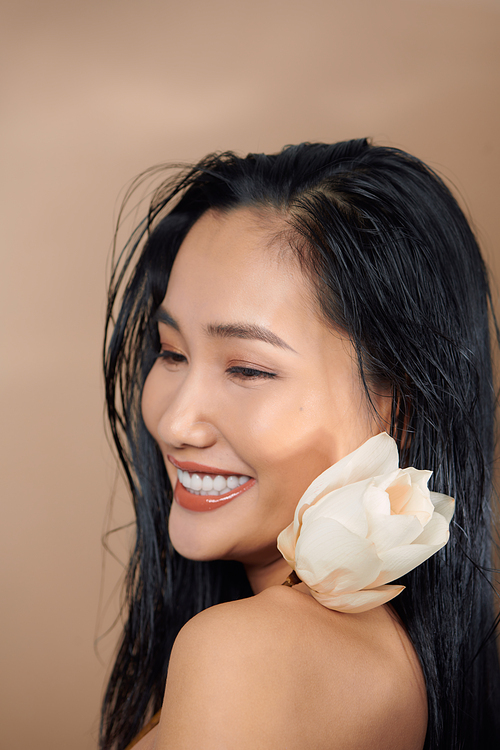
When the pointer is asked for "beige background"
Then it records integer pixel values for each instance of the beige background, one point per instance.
(92, 93)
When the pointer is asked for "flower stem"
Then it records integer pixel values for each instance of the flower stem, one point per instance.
(292, 579)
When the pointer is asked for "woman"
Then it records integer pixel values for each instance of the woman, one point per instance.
(282, 311)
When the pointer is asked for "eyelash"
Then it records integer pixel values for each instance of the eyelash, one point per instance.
(250, 373)
(245, 373)
(171, 357)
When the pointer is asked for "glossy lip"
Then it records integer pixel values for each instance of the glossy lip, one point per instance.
(191, 466)
(202, 503)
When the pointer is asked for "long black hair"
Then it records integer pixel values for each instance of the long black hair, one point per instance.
(396, 266)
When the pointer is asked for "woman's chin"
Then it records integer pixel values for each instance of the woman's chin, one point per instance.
(191, 540)
(188, 548)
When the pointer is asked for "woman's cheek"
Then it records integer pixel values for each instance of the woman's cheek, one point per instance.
(152, 400)
(290, 442)
(147, 404)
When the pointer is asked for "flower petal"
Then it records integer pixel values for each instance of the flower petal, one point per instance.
(443, 504)
(399, 561)
(345, 505)
(378, 455)
(418, 502)
(387, 532)
(358, 601)
(436, 533)
(328, 553)
(286, 544)
(376, 499)
(398, 489)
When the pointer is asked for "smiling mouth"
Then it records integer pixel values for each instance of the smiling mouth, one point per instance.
(200, 502)
(201, 491)
(201, 488)
(199, 483)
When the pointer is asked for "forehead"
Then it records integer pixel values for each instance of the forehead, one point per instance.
(238, 264)
(242, 236)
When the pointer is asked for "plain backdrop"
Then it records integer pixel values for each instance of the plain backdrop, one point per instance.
(92, 93)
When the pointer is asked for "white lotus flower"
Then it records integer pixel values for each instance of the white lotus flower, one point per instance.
(363, 523)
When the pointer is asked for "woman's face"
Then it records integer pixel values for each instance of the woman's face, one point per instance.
(250, 384)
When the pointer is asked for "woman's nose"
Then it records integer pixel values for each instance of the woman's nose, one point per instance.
(186, 419)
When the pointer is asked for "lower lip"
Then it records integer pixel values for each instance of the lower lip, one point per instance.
(202, 503)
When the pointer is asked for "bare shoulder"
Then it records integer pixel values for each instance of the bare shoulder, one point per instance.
(279, 670)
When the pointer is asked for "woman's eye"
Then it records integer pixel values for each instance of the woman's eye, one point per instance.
(170, 357)
(250, 373)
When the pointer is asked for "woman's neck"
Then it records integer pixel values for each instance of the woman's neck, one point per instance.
(263, 576)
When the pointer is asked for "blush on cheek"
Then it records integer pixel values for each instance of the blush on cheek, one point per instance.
(291, 436)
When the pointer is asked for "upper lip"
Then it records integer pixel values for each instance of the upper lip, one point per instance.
(192, 466)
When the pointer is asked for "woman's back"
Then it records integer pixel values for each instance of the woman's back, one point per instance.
(278, 670)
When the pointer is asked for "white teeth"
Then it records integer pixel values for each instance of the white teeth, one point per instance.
(219, 483)
(232, 482)
(208, 485)
(196, 482)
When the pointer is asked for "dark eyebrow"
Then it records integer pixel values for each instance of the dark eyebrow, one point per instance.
(228, 330)
(246, 331)
(162, 316)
